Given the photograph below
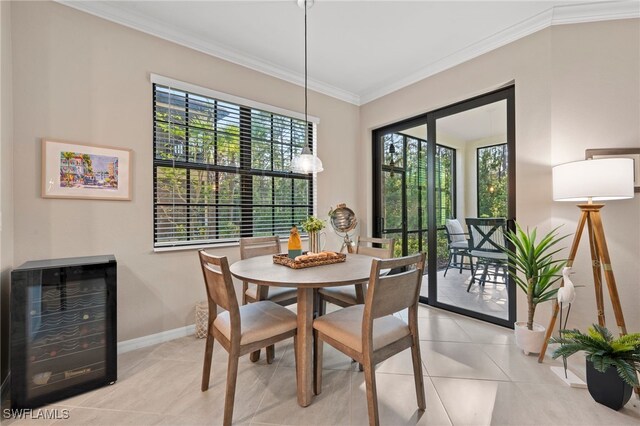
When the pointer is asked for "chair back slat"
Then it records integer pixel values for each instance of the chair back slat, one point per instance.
(365, 245)
(487, 234)
(389, 294)
(259, 246)
(219, 284)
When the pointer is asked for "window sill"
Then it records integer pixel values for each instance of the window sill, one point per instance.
(209, 246)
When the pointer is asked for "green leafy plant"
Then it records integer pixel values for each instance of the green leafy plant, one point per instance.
(535, 269)
(312, 224)
(603, 350)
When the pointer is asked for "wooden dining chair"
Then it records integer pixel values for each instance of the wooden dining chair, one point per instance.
(370, 333)
(260, 246)
(240, 329)
(350, 295)
(284, 296)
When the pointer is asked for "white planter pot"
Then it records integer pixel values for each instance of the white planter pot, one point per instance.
(530, 341)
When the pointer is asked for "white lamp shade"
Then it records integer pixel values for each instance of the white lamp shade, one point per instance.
(598, 180)
(306, 163)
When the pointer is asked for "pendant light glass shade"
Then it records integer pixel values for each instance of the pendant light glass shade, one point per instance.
(306, 162)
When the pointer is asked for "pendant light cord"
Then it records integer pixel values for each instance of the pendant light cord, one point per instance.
(306, 122)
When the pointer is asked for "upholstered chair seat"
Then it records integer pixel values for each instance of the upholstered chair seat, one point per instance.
(283, 296)
(260, 321)
(345, 326)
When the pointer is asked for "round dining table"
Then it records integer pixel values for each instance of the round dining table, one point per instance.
(261, 270)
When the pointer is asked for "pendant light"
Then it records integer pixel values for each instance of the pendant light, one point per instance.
(306, 162)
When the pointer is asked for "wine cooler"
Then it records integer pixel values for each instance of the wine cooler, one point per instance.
(63, 328)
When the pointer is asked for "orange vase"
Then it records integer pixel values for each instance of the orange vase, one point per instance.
(295, 245)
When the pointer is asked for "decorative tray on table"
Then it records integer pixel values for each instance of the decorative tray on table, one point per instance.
(309, 260)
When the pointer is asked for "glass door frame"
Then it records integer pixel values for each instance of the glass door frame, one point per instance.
(378, 156)
(429, 119)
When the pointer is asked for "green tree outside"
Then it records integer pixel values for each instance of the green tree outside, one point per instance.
(492, 181)
(203, 131)
(409, 161)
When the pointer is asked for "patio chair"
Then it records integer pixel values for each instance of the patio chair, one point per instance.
(486, 242)
(283, 296)
(458, 246)
(240, 330)
(370, 333)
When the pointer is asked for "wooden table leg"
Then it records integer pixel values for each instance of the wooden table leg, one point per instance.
(304, 359)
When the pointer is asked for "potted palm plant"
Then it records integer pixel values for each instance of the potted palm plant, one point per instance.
(612, 364)
(535, 272)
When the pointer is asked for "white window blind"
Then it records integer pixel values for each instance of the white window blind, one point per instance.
(222, 170)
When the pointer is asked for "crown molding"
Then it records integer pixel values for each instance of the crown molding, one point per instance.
(558, 15)
(593, 12)
(111, 12)
(515, 32)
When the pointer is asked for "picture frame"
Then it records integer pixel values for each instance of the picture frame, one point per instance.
(633, 153)
(82, 171)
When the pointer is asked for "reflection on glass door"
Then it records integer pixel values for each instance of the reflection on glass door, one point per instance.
(403, 191)
(403, 178)
(474, 275)
(434, 172)
(474, 278)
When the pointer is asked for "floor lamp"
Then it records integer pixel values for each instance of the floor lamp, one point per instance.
(593, 180)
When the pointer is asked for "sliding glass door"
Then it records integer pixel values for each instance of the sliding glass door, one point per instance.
(403, 174)
(432, 173)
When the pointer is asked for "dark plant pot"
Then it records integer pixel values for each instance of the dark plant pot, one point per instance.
(608, 388)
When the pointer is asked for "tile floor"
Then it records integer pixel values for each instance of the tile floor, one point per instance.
(474, 375)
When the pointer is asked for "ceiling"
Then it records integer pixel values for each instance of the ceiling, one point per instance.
(484, 122)
(357, 50)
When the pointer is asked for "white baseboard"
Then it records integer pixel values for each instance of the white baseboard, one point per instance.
(154, 339)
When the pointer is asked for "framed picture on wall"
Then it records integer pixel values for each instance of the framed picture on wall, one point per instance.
(75, 170)
(633, 153)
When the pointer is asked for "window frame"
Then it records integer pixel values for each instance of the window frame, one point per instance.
(244, 169)
(422, 228)
(506, 148)
(452, 190)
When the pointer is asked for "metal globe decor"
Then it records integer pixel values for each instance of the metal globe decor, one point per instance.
(343, 220)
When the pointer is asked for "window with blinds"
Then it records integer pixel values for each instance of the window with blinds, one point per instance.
(222, 170)
(445, 186)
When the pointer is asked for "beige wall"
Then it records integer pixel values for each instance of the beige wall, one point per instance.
(595, 103)
(6, 188)
(577, 87)
(81, 78)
